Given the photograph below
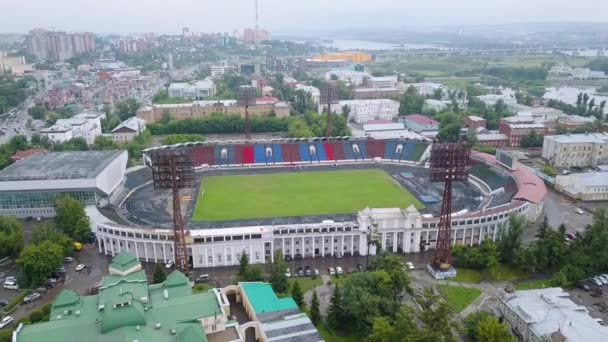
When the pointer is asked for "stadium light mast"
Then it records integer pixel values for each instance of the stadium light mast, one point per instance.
(329, 96)
(174, 169)
(245, 97)
(449, 162)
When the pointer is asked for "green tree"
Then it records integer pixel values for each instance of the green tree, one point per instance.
(403, 328)
(19, 143)
(159, 274)
(37, 112)
(315, 314)
(335, 312)
(11, 236)
(49, 233)
(254, 273)
(489, 329)
(243, 264)
(411, 102)
(472, 321)
(103, 142)
(435, 317)
(511, 239)
(296, 294)
(72, 219)
(393, 265)
(278, 279)
(182, 138)
(39, 262)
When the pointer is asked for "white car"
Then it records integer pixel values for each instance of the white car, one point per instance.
(332, 271)
(169, 264)
(339, 270)
(596, 281)
(603, 278)
(6, 321)
(288, 274)
(11, 285)
(578, 211)
(80, 267)
(410, 266)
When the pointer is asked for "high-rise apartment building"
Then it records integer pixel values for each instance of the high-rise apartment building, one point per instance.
(56, 45)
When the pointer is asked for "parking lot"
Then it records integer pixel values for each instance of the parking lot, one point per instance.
(596, 304)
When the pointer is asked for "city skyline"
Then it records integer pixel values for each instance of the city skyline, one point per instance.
(312, 16)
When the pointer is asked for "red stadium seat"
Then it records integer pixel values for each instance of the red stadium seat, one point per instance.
(248, 155)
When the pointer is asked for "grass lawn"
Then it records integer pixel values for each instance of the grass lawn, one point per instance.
(298, 194)
(466, 275)
(505, 273)
(534, 284)
(330, 336)
(459, 297)
(306, 283)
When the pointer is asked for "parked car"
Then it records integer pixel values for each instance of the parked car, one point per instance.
(11, 285)
(201, 278)
(578, 211)
(32, 297)
(61, 270)
(410, 265)
(331, 271)
(11, 278)
(603, 279)
(596, 281)
(169, 264)
(339, 255)
(298, 256)
(41, 289)
(300, 272)
(570, 236)
(359, 267)
(80, 267)
(583, 286)
(316, 272)
(339, 270)
(307, 271)
(6, 321)
(3, 303)
(288, 274)
(288, 258)
(68, 259)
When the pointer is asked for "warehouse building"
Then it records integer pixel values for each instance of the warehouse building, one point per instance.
(29, 188)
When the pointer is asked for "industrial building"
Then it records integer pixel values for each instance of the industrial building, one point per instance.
(588, 149)
(549, 315)
(128, 308)
(29, 188)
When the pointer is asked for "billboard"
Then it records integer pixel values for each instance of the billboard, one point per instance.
(504, 158)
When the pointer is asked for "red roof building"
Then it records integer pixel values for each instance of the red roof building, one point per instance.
(420, 123)
(266, 100)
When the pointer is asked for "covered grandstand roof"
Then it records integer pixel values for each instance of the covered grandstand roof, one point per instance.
(60, 165)
(529, 187)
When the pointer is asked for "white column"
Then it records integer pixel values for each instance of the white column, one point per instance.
(115, 242)
(331, 242)
(495, 232)
(225, 257)
(472, 235)
(395, 243)
(146, 250)
(99, 243)
(313, 246)
(251, 252)
(164, 246)
(283, 245)
(455, 232)
(272, 251)
(292, 248)
(342, 246)
(417, 241)
(154, 249)
(406, 242)
(136, 251)
(352, 244)
(105, 246)
(303, 247)
(383, 241)
(213, 256)
(323, 246)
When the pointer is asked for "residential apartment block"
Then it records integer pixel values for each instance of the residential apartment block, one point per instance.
(84, 125)
(58, 46)
(580, 150)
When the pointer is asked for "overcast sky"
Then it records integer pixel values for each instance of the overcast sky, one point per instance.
(284, 16)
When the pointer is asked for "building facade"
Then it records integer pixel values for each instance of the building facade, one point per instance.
(576, 149)
(584, 186)
(197, 90)
(473, 121)
(354, 78)
(419, 123)
(83, 125)
(383, 82)
(58, 46)
(362, 111)
(128, 130)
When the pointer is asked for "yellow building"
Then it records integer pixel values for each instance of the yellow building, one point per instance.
(355, 57)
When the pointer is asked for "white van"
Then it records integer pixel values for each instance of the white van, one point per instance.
(11, 285)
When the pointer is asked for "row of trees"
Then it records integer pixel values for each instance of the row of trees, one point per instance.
(218, 123)
(550, 253)
(312, 124)
(585, 106)
(12, 92)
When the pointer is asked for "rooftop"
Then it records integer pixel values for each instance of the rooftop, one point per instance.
(491, 137)
(550, 310)
(597, 138)
(421, 119)
(60, 165)
(590, 179)
(383, 126)
(20, 155)
(133, 123)
(264, 300)
(475, 118)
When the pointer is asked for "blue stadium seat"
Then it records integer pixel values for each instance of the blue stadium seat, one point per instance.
(408, 150)
(277, 153)
(389, 150)
(321, 152)
(362, 153)
(259, 154)
(304, 153)
(348, 151)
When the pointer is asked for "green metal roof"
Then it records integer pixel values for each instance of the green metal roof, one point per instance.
(263, 299)
(124, 316)
(124, 261)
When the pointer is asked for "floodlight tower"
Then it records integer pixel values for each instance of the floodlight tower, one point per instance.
(448, 162)
(173, 169)
(329, 96)
(245, 97)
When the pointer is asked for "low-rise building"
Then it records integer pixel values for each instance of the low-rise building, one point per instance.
(14, 65)
(355, 78)
(383, 82)
(420, 123)
(517, 127)
(590, 149)
(219, 70)
(197, 90)
(376, 93)
(127, 305)
(362, 111)
(83, 125)
(202, 109)
(314, 92)
(128, 129)
(491, 99)
(493, 139)
(588, 186)
(382, 129)
(575, 121)
(473, 121)
(549, 315)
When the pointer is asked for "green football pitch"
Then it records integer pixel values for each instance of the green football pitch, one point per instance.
(240, 197)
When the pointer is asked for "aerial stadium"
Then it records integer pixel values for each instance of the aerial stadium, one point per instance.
(311, 198)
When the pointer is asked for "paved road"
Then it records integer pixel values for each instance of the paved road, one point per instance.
(560, 209)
